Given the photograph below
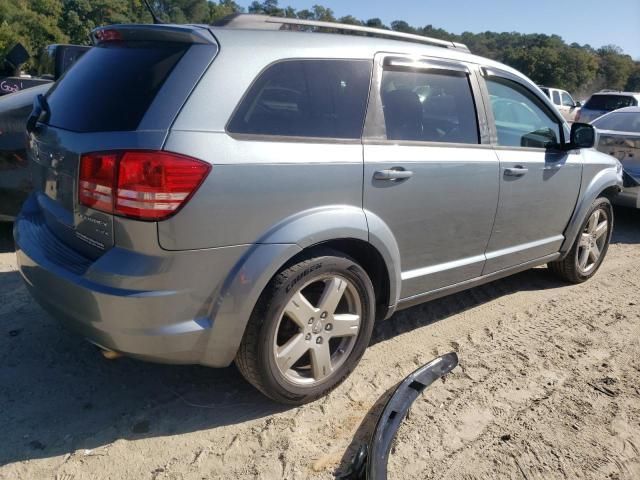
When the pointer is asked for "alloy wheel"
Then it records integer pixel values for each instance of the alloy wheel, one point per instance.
(593, 240)
(317, 330)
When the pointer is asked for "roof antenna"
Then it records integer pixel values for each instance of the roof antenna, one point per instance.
(156, 20)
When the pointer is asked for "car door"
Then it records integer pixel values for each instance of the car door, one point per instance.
(539, 185)
(569, 107)
(430, 173)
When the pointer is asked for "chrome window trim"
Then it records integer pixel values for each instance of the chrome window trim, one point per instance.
(375, 129)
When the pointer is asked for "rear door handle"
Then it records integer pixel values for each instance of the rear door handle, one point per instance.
(392, 174)
(515, 171)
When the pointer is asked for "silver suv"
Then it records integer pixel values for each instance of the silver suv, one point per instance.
(242, 192)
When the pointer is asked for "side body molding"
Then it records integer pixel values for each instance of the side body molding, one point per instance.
(236, 298)
(595, 180)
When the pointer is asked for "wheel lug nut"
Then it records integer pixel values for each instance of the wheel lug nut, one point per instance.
(328, 327)
(323, 315)
(319, 340)
(307, 336)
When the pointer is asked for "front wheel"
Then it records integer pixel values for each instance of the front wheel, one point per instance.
(588, 251)
(309, 329)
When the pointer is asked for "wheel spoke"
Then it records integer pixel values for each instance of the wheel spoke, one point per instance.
(585, 239)
(291, 351)
(345, 325)
(332, 294)
(583, 258)
(601, 229)
(300, 310)
(594, 252)
(321, 361)
(593, 221)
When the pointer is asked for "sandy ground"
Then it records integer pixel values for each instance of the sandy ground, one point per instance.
(548, 387)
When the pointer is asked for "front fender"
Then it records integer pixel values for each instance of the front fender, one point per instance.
(596, 179)
(241, 290)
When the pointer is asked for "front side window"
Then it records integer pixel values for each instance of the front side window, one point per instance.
(556, 97)
(428, 107)
(521, 118)
(567, 101)
(306, 98)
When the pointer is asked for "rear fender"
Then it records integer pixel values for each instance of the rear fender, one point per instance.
(241, 290)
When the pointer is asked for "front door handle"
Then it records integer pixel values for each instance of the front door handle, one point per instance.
(515, 171)
(392, 174)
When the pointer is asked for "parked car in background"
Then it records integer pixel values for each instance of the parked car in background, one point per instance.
(564, 102)
(605, 102)
(620, 137)
(15, 178)
(266, 195)
(52, 63)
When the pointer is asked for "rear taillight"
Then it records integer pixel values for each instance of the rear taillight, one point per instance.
(146, 185)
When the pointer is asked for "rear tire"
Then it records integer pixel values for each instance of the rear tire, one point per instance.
(309, 329)
(590, 247)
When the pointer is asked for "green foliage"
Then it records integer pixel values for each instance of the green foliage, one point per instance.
(546, 59)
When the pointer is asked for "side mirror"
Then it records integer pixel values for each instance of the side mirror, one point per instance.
(578, 105)
(583, 135)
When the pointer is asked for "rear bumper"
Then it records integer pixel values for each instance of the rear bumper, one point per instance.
(155, 307)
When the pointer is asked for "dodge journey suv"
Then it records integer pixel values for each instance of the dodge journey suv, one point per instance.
(262, 192)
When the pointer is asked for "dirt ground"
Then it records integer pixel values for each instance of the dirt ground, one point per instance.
(548, 387)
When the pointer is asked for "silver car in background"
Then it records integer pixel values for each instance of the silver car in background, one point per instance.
(604, 102)
(244, 193)
(620, 137)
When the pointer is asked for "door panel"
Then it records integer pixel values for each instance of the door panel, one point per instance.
(441, 216)
(534, 208)
(539, 185)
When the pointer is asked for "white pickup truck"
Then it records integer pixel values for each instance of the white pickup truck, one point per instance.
(564, 102)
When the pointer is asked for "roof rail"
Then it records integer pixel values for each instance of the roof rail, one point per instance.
(265, 22)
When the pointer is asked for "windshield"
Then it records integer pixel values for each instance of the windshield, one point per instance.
(619, 121)
(610, 102)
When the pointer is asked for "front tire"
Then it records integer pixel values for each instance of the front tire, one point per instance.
(591, 246)
(309, 329)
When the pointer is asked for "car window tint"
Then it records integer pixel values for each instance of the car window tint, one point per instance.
(619, 121)
(608, 102)
(567, 101)
(112, 86)
(306, 98)
(428, 107)
(521, 118)
(556, 97)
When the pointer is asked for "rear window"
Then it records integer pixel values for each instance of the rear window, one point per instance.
(610, 102)
(112, 86)
(306, 98)
(619, 121)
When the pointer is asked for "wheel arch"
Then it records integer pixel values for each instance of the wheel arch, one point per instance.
(606, 183)
(364, 237)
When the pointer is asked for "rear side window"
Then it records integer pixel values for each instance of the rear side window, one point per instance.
(610, 102)
(428, 107)
(112, 86)
(306, 98)
(556, 97)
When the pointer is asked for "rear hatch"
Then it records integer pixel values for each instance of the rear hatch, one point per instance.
(122, 95)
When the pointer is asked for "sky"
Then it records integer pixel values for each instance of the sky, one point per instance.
(582, 21)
